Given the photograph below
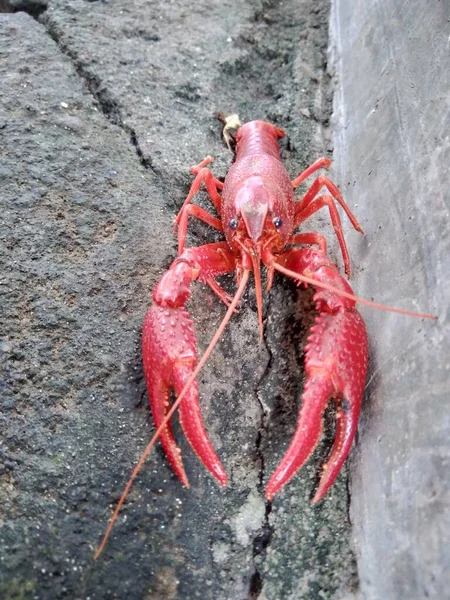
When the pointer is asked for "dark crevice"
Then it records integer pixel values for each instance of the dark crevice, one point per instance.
(256, 585)
(106, 103)
(34, 8)
(145, 161)
(263, 537)
(108, 106)
(349, 496)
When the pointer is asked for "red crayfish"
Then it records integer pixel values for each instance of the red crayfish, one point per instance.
(259, 218)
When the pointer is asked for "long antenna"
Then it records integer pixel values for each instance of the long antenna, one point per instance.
(176, 404)
(336, 290)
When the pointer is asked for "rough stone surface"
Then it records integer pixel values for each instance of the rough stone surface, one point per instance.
(104, 107)
(393, 150)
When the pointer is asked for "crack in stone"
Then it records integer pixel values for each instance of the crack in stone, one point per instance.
(105, 101)
(262, 539)
(32, 7)
(107, 104)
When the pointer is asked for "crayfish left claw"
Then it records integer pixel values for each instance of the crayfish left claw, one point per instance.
(317, 392)
(336, 364)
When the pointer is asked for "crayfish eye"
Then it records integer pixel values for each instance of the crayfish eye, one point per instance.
(277, 222)
(233, 223)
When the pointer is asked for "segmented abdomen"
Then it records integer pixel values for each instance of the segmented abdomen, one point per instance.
(258, 137)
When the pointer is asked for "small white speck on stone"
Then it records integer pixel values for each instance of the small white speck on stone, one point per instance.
(64, 105)
(220, 552)
(249, 519)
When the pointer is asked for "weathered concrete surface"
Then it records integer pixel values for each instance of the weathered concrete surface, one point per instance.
(99, 126)
(392, 148)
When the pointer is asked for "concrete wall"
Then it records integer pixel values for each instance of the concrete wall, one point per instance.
(392, 149)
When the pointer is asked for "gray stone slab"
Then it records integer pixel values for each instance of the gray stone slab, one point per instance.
(99, 127)
(392, 149)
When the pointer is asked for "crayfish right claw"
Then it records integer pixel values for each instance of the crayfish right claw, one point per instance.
(192, 423)
(318, 390)
(170, 357)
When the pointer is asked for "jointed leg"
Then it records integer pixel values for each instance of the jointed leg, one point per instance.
(219, 291)
(199, 213)
(321, 163)
(197, 168)
(212, 185)
(315, 188)
(314, 206)
(310, 239)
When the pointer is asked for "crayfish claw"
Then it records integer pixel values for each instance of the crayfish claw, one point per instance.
(346, 422)
(159, 394)
(170, 357)
(336, 365)
(192, 423)
(317, 392)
